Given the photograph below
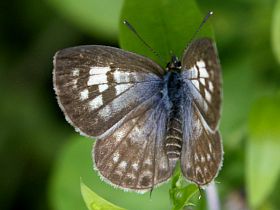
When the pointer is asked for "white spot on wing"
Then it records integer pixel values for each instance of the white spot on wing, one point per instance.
(121, 88)
(198, 170)
(96, 103)
(195, 157)
(203, 73)
(205, 170)
(121, 76)
(202, 81)
(119, 135)
(202, 69)
(123, 164)
(75, 83)
(210, 147)
(208, 157)
(194, 72)
(75, 72)
(195, 83)
(116, 157)
(84, 94)
(200, 64)
(99, 70)
(131, 176)
(135, 166)
(102, 87)
(211, 87)
(208, 96)
(97, 79)
(202, 159)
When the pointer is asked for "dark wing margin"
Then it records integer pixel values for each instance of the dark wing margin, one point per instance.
(202, 73)
(99, 87)
(202, 152)
(133, 157)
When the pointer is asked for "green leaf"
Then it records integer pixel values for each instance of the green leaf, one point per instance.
(75, 161)
(95, 202)
(276, 31)
(263, 157)
(166, 25)
(181, 192)
(99, 18)
(182, 196)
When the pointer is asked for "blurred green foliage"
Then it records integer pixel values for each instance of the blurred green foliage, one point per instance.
(168, 31)
(275, 28)
(75, 163)
(99, 18)
(263, 147)
(42, 161)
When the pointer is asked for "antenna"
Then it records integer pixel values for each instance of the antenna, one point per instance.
(131, 28)
(207, 16)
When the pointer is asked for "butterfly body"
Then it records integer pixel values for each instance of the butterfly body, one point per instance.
(173, 80)
(145, 118)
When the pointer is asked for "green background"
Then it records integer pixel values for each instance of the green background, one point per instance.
(42, 159)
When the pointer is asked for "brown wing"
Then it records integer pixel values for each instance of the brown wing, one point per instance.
(202, 72)
(201, 155)
(98, 87)
(202, 152)
(133, 157)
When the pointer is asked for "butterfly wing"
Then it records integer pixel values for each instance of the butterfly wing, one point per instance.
(116, 96)
(134, 157)
(99, 87)
(201, 156)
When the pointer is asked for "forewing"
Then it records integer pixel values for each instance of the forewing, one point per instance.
(202, 73)
(99, 87)
(133, 157)
(201, 155)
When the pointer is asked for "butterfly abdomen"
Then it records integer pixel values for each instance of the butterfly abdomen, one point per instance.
(173, 141)
(174, 137)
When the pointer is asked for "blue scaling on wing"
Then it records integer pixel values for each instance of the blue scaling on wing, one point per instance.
(99, 88)
(134, 156)
(201, 155)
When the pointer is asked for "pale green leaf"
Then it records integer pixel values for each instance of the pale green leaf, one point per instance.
(95, 202)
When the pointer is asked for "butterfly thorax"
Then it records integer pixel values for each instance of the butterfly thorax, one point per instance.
(173, 141)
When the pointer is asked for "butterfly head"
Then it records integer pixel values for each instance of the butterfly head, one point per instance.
(174, 64)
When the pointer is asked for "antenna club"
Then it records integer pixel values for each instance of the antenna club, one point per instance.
(211, 12)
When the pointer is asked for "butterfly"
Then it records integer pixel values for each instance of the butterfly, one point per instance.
(145, 118)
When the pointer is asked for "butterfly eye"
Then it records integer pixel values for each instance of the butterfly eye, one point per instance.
(174, 64)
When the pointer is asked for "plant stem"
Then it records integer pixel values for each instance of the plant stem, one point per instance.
(213, 201)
